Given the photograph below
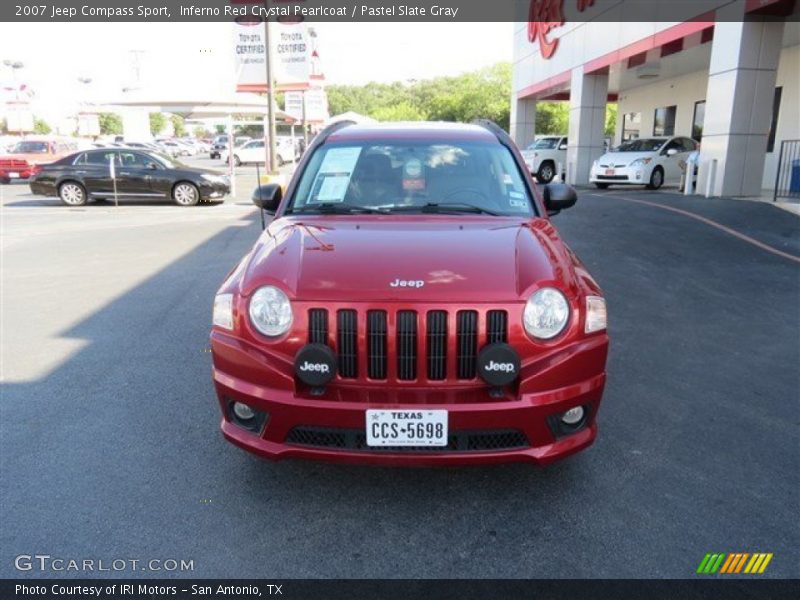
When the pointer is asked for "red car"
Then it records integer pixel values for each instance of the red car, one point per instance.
(411, 303)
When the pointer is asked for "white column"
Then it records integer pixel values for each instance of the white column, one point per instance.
(523, 121)
(741, 87)
(587, 123)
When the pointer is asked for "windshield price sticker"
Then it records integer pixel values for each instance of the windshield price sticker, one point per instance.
(333, 178)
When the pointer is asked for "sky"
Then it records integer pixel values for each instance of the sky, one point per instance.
(183, 57)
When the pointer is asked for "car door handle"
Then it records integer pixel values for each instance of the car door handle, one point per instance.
(126, 173)
(80, 172)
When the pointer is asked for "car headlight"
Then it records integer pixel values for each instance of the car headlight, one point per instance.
(270, 311)
(596, 317)
(640, 162)
(212, 178)
(546, 313)
(223, 311)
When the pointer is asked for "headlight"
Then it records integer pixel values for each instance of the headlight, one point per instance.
(640, 162)
(546, 313)
(595, 314)
(270, 311)
(223, 311)
(211, 178)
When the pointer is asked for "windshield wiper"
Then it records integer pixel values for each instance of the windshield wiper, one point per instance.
(446, 207)
(336, 208)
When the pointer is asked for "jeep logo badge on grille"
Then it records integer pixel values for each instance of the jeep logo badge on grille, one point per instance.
(412, 283)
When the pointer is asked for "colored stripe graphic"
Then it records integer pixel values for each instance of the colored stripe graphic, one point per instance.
(734, 563)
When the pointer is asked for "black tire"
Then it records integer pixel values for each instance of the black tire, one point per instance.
(656, 179)
(185, 193)
(602, 186)
(72, 193)
(546, 172)
(237, 161)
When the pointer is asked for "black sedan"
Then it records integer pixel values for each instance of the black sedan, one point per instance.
(136, 174)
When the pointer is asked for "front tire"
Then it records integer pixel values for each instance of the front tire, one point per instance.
(601, 186)
(546, 172)
(72, 193)
(656, 179)
(186, 194)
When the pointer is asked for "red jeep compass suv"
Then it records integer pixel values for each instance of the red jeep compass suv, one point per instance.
(410, 303)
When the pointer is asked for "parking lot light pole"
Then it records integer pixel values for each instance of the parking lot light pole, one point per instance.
(270, 101)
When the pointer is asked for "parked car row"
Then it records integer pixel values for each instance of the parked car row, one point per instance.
(650, 161)
(26, 157)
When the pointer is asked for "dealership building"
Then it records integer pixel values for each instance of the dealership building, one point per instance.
(727, 74)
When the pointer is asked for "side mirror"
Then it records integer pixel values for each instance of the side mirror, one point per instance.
(672, 152)
(558, 196)
(152, 165)
(562, 147)
(268, 197)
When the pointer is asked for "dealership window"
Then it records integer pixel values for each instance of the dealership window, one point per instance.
(697, 121)
(776, 107)
(664, 120)
(631, 123)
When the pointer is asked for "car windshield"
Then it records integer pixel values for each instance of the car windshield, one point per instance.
(546, 144)
(31, 148)
(414, 176)
(640, 145)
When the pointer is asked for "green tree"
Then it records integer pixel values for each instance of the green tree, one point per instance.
(404, 111)
(552, 118)
(200, 132)
(611, 120)
(220, 129)
(110, 123)
(3, 126)
(157, 123)
(178, 126)
(40, 126)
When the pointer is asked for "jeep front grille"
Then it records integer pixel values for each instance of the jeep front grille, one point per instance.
(437, 345)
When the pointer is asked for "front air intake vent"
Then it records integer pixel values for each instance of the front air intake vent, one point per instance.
(466, 343)
(437, 345)
(347, 340)
(406, 345)
(376, 344)
(317, 326)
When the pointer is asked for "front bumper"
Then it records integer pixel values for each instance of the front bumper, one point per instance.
(211, 190)
(639, 175)
(525, 414)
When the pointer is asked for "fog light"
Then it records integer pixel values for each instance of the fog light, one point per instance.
(573, 416)
(242, 411)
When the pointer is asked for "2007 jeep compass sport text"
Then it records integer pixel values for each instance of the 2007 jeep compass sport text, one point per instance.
(410, 303)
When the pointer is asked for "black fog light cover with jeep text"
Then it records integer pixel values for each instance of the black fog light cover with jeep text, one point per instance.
(315, 364)
(498, 364)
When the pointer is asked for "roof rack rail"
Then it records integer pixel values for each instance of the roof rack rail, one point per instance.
(498, 131)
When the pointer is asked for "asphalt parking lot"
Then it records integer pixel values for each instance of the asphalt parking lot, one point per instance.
(111, 449)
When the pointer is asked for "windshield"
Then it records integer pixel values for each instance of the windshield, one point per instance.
(31, 148)
(387, 176)
(640, 145)
(546, 144)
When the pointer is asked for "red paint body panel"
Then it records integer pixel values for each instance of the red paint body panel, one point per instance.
(468, 262)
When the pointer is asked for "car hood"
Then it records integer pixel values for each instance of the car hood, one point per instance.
(356, 259)
(623, 158)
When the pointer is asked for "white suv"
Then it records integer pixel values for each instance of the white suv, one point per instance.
(545, 156)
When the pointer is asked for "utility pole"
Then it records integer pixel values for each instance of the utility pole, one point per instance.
(270, 100)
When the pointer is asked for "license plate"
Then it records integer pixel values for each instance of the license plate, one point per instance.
(610, 172)
(13, 175)
(406, 428)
